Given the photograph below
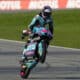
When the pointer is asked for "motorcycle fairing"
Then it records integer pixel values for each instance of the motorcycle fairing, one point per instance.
(30, 50)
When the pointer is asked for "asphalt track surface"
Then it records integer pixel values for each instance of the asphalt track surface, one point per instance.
(61, 64)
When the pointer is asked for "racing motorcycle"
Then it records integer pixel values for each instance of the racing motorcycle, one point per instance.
(36, 49)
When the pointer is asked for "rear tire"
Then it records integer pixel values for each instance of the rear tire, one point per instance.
(24, 73)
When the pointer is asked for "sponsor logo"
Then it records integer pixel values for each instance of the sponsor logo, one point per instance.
(9, 5)
(73, 4)
(37, 4)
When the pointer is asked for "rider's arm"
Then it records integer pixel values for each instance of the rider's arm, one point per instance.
(33, 23)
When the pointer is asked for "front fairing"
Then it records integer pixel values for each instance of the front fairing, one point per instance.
(30, 50)
(33, 62)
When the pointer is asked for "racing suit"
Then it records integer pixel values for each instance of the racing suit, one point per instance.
(47, 22)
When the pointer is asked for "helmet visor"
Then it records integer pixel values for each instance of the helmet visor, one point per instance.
(47, 14)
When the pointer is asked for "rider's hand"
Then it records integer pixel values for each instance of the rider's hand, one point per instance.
(24, 32)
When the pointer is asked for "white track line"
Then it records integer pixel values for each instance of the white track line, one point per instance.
(50, 45)
(14, 41)
(65, 48)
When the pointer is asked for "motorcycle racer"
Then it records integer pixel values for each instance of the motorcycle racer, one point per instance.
(44, 18)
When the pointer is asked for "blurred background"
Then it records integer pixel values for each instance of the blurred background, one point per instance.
(15, 15)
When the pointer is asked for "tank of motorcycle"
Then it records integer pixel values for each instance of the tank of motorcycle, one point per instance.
(42, 31)
(39, 30)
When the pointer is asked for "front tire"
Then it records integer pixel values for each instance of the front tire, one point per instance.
(44, 51)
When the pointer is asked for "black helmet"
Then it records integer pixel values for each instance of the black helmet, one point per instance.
(47, 11)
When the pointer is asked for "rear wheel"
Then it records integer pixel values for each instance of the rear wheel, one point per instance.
(24, 72)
